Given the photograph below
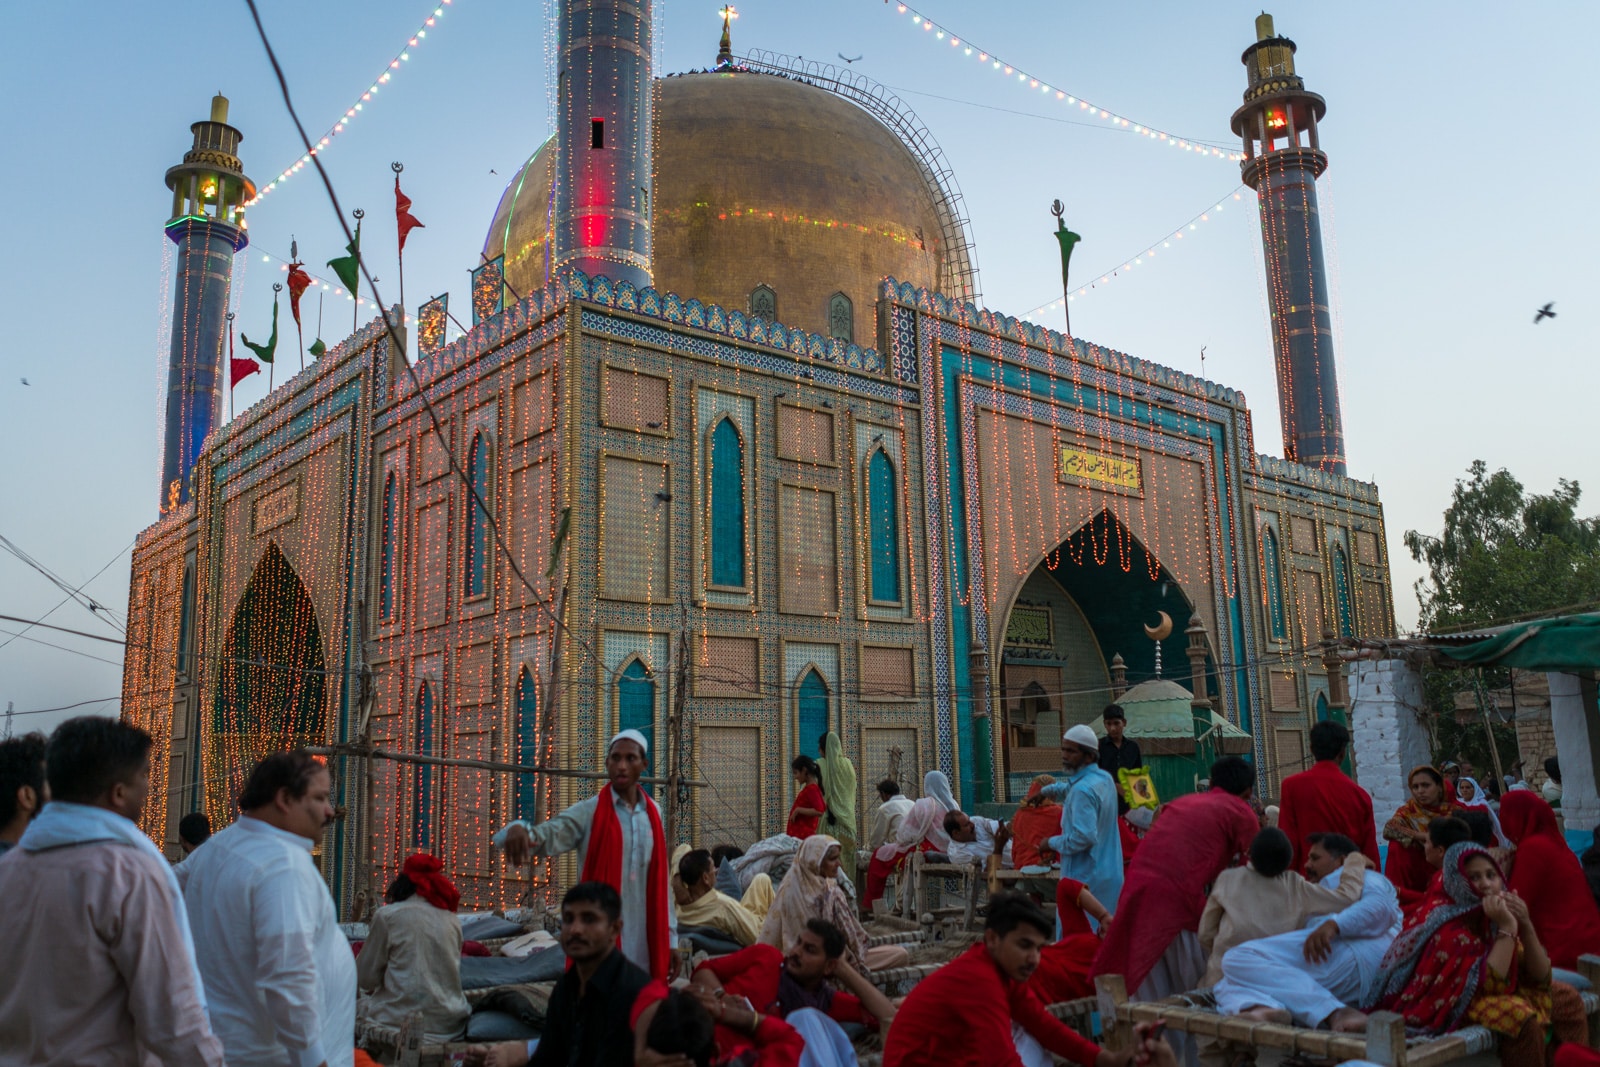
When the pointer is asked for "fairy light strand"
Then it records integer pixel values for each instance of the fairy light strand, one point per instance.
(963, 47)
(351, 113)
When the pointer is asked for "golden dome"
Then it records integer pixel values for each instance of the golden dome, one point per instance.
(762, 181)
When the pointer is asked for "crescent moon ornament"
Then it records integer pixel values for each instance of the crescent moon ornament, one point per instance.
(1161, 632)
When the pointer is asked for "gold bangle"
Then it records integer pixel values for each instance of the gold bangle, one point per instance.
(755, 1023)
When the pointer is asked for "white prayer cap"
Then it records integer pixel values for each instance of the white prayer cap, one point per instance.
(1083, 737)
(630, 735)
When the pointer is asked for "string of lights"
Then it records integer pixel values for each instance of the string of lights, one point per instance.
(1032, 83)
(358, 107)
(1104, 277)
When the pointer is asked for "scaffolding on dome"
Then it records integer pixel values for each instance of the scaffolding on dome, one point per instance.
(959, 269)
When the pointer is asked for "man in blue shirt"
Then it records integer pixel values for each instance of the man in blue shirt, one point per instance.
(1089, 843)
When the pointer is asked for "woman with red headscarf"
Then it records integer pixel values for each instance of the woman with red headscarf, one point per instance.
(1472, 955)
(1546, 873)
(1407, 832)
(411, 962)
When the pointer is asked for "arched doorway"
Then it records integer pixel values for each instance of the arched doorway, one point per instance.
(272, 684)
(1085, 602)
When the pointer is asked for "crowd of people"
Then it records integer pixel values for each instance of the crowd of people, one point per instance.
(757, 954)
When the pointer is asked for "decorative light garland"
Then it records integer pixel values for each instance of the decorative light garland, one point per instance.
(349, 116)
(1138, 260)
(943, 33)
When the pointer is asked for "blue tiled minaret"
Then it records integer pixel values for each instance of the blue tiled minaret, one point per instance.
(208, 188)
(604, 138)
(1283, 160)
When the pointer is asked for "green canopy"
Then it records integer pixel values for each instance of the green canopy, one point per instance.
(1570, 643)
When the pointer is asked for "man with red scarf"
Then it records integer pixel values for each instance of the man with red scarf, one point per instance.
(617, 834)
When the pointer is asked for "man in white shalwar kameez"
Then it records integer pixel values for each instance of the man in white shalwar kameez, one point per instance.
(570, 831)
(1314, 975)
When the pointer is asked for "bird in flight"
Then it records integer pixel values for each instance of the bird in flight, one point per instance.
(26, 382)
(847, 59)
(1544, 313)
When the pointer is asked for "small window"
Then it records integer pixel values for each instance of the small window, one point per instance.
(812, 712)
(479, 541)
(597, 133)
(841, 317)
(1272, 573)
(726, 474)
(391, 526)
(422, 784)
(764, 303)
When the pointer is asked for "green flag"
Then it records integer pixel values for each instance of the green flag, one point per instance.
(264, 352)
(317, 348)
(348, 267)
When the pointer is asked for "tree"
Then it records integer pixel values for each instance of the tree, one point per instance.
(1503, 554)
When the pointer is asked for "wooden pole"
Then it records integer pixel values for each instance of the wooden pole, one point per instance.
(680, 683)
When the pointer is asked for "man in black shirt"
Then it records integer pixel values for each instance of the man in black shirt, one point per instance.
(1116, 751)
(587, 1022)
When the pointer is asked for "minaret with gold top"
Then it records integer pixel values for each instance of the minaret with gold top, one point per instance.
(208, 189)
(1283, 160)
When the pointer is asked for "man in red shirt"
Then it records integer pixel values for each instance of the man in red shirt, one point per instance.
(962, 1014)
(1323, 800)
(807, 977)
(1194, 839)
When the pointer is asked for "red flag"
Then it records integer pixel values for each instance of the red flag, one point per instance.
(299, 282)
(240, 369)
(404, 220)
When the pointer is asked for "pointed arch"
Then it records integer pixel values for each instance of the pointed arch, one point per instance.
(812, 700)
(725, 472)
(527, 740)
(841, 317)
(480, 462)
(1341, 592)
(272, 686)
(422, 781)
(1272, 574)
(883, 528)
(186, 616)
(636, 699)
(390, 548)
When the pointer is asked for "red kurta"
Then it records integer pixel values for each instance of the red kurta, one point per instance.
(1324, 800)
(1194, 839)
(961, 1014)
(803, 826)
(1063, 972)
(1546, 873)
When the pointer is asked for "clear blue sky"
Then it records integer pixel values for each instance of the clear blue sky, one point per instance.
(1458, 200)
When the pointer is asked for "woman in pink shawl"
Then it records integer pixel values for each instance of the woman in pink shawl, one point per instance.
(920, 829)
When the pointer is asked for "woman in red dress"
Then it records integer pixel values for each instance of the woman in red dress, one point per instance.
(1407, 831)
(809, 803)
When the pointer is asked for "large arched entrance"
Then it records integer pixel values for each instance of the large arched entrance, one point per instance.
(1087, 602)
(272, 682)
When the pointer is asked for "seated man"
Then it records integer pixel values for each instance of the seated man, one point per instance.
(979, 1011)
(1311, 976)
(892, 807)
(707, 907)
(973, 839)
(1267, 898)
(809, 976)
(687, 1027)
(592, 1007)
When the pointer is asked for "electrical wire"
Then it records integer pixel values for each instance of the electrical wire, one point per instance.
(100, 611)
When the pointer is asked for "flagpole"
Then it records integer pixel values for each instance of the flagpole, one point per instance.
(400, 255)
(272, 364)
(355, 309)
(230, 366)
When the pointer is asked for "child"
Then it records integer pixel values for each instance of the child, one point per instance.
(1267, 898)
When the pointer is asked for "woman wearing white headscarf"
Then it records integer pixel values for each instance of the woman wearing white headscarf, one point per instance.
(937, 786)
(811, 891)
(922, 824)
(1469, 794)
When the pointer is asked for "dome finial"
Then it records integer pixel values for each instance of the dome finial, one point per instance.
(725, 47)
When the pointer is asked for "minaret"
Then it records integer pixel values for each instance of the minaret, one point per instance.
(1282, 163)
(208, 188)
(604, 135)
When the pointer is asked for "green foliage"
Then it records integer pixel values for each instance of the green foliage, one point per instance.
(1504, 553)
